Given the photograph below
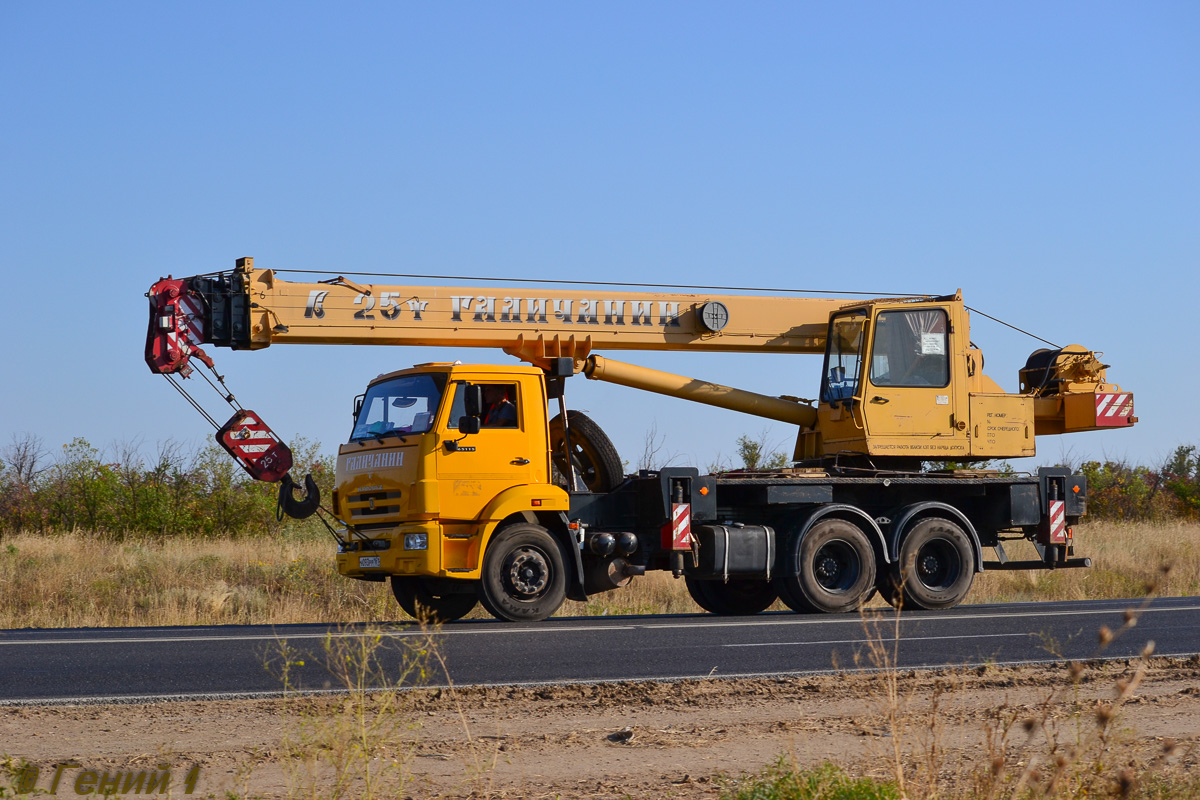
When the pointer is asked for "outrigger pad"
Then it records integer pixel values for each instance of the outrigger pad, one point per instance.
(255, 446)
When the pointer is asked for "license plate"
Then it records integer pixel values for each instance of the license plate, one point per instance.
(366, 562)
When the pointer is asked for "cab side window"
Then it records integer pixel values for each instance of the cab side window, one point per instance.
(911, 349)
(499, 406)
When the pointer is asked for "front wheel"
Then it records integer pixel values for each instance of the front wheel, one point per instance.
(420, 601)
(737, 597)
(936, 565)
(830, 569)
(523, 577)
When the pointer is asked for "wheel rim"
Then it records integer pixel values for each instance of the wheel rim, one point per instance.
(937, 565)
(527, 573)
(584, 463)
(836, 566)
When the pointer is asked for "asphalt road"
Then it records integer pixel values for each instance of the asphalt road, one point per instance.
(136, 664)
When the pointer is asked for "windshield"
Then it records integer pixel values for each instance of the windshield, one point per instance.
(401, 405)
(842, 358)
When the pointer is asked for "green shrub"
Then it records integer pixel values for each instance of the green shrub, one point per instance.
(1182, 477)
(117, 493)
(784, 781)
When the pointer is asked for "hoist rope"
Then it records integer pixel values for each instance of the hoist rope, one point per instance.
(227, 395)
(190, 399)
(1014, 327)
(606, 283)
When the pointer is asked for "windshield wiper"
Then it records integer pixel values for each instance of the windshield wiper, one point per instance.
(379, 437)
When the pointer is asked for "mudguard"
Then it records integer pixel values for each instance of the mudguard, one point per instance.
(907, 514)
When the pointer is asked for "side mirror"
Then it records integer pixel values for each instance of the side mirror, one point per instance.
(472, 401)
(358, 404)
(468, 425)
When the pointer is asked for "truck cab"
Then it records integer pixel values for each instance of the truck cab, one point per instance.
(427, 474)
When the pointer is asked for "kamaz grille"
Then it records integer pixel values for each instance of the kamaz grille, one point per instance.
(370, 505)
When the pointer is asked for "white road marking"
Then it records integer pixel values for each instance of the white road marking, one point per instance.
(890, 618)
(868, 641)
(498, 629)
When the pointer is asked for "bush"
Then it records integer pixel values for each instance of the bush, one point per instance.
(118, 493)
(1118, 490)
(783, 781)
(1181, 474)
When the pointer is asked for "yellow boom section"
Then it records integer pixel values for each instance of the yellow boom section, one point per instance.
(530, 323)
(714, 394)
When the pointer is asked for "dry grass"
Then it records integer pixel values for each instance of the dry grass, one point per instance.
(75, 580)
(1126, 557)
(79, 580)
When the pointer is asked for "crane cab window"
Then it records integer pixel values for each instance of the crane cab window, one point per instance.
(499, 406)
(399, 406)
(843, 357)
(911, 349)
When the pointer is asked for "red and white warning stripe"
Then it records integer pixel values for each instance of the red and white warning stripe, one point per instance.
(188, 325)
(192, 314)
(681, 525)
(1113, 408)
(677, 534)
(249, 440)
(1058, 522)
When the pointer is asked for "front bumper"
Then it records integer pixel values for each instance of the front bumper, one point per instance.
(396, 560)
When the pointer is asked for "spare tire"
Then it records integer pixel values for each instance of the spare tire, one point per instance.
(597, 465)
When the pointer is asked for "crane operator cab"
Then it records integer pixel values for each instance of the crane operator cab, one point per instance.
(902, 381)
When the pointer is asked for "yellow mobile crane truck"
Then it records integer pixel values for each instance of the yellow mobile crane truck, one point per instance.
(458, 485)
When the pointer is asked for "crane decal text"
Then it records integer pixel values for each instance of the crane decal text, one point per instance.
(499, 310)
(373, 461)
(541, 310)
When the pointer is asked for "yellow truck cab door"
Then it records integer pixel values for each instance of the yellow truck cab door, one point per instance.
(479, 466)
(910, 384)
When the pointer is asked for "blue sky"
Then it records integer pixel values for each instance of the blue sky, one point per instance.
(1042, 157)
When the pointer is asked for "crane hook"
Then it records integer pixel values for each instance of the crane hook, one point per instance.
(289, 505)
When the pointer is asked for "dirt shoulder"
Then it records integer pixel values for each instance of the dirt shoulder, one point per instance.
(642, 740)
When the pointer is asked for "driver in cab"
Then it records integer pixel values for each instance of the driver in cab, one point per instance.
(499, 411)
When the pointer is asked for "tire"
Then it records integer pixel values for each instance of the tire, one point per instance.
(936, 564)
(783, 587)
(405, 593)
(419, 601)
(738, 597)
(524, 577)
(699, 595)
(888, 586)
(597, 466)
(830, 569)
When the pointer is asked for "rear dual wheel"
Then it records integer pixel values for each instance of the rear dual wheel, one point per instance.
(736, 597)
(935, 569)
(828, 569)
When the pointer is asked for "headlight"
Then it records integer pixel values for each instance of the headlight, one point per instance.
(416, 541)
